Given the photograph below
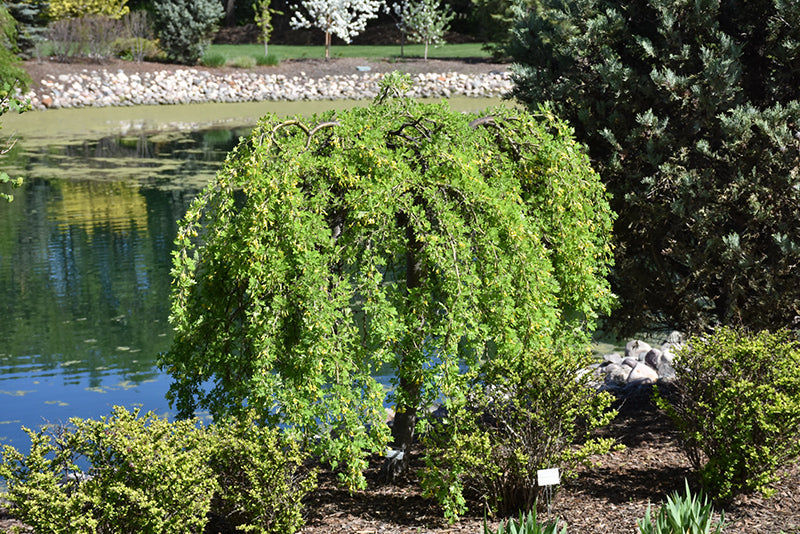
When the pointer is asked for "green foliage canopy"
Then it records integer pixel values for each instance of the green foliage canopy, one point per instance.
(184, 28)
(396, 236)
(689, 109)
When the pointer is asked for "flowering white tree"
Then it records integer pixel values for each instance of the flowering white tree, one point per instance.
(342, 18)
(424, 21)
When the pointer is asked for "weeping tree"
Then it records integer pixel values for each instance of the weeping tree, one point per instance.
(400, 236)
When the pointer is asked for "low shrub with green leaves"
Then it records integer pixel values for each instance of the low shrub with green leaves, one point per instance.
(261, 476)
(682, 514)
(527, 524)
(522, 415)
(144, 474)
(737, 406)
(136, 48)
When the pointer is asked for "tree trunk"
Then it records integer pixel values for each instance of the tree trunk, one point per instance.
(327, 45)
(230, 13)
(405, 419)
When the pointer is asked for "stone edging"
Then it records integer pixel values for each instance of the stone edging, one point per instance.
(100, 88)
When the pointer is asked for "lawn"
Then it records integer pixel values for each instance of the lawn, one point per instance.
(284, 52)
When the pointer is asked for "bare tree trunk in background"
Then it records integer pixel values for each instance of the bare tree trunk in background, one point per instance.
(230, 13)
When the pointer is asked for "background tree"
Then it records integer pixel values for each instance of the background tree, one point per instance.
(398, 235)
(185, 27)
(11, 73)
(497, 21)
(263, 18)
(342, 18)
(31, 17)
(424, 21)
(690, 113)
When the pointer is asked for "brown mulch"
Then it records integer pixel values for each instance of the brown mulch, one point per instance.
(606, 499)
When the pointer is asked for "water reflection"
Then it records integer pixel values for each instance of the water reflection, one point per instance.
(84, 279)
(157, 159)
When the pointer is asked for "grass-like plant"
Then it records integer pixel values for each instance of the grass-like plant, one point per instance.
(267, 60)
(526, 524)
(214, 59)
(243, 62)
(682, 514)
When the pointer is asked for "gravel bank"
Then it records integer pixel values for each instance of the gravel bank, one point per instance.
(103, 87)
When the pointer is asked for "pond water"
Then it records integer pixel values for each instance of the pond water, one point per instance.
(85, 250)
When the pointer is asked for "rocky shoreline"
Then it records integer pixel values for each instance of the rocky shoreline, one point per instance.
(103, 87)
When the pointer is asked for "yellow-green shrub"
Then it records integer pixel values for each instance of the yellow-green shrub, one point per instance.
(70, 9)
(737, 405)
(122, 473)
(261, 477)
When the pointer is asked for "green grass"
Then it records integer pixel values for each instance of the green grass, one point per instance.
(374, 52)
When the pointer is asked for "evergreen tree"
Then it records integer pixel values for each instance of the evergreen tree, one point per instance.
(11, 73)
(185, 27)
(32, 19)
(689, 110)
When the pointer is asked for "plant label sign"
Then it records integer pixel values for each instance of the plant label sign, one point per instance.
(548, 477)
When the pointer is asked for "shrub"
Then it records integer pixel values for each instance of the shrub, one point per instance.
(144, 475)
(74, 9)
(261, 476)
(90, 36)
(690, 112)
(185, 27)
(737, 406)
(527, 524)
(139, 36)
(214, 60)
(267, 60)
(682, 514)
(243, 62)
(521, 415)
(135, 48)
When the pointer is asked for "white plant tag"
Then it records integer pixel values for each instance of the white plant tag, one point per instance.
(548, 477)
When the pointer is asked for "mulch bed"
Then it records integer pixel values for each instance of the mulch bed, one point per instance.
(608, 498)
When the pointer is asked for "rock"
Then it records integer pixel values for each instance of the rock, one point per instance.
(636, 346)
(190, 85)
(616, 375)
(614, 357)
(630, 362)
(47, 101)
(642, 374)
(675, 338)
(665, 370)
(653, 357)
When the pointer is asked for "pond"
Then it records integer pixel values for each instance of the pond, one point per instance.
(85, 250)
